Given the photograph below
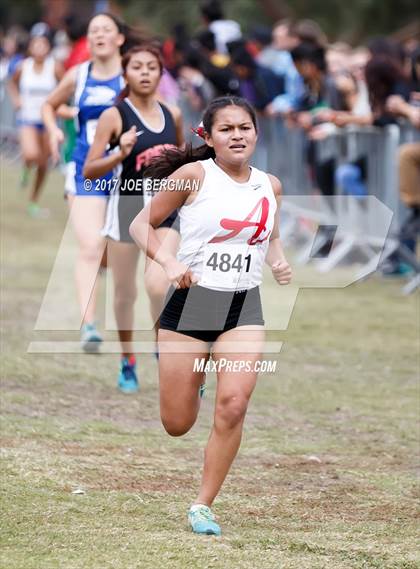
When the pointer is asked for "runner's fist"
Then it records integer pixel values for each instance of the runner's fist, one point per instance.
(56, 137)
(179, 274)
(282, 272)
(127, 141)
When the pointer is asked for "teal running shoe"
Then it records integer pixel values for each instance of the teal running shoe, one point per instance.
(127, 379)
(202, 390)
(202, 520)
(90, 338)
(37, 212)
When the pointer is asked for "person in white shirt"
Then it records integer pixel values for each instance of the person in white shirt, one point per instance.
(34, 79)
(224, 30)
(228, 213)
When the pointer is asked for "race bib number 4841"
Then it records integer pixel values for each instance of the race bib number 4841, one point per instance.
(228, 266)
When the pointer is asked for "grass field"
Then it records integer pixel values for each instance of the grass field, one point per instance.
(326, 476)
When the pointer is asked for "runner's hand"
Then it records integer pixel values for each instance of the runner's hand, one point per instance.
(282, 272)
(127, 141)
(56, 137)
(179, 274)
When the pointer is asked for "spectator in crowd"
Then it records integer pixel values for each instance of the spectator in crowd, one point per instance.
(224, 30)
(214, 66)
(196, 88)
(384, 47)
(357, 65)
(315, 109)
(338, 66)
(415, 73)
(168, 88)
(384, 77)
(257, 84)
(14, 47)
(259, 39)
(338, 59)
(205, 40)
(409, 177)
(310, 31)
(173, 48)
(348, 70)
(277, 57)
(76, 32)
(201, 79)
(321, 95)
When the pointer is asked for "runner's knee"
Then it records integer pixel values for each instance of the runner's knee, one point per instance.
(230, 411)
(175, 426)
(125, 294)
(91, 251)
(156, 289)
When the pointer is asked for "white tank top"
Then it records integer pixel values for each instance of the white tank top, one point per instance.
(35, 88)
(225, 231)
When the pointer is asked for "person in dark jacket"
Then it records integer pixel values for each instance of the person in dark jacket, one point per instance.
(258, 84)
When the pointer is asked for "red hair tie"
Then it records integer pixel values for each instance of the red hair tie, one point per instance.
(199, 131)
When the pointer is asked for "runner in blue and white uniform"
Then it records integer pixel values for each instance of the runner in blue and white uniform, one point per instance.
(229, 227)
(92, 97)
(93, 87)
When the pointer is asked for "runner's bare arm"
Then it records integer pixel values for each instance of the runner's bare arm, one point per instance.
(109, 127)
(59, 70)
(61, 95)
(276, 258)
(13, 88)
(142, 229)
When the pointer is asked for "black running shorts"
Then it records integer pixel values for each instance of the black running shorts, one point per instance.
(205, 314)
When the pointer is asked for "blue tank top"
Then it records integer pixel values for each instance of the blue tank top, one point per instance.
(92, 97)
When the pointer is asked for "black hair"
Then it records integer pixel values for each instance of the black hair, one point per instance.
(241, 56)
(150, 47)
(261, 34)
(75, 27)
(211, 10)
(132, 36)
(415, 60)
(382, 75)
(234, 45)
(308, 51)
(206, 39)
(170, 160)
(382, 46)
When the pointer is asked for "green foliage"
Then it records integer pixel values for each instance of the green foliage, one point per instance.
(351, 21)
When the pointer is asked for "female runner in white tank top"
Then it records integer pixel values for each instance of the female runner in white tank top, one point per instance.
(228, 214)
(32, 82)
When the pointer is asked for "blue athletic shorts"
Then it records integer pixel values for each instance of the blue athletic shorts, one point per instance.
(38, 125)
(76, 184)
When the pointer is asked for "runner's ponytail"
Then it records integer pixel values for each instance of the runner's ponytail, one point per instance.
(170, 160)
